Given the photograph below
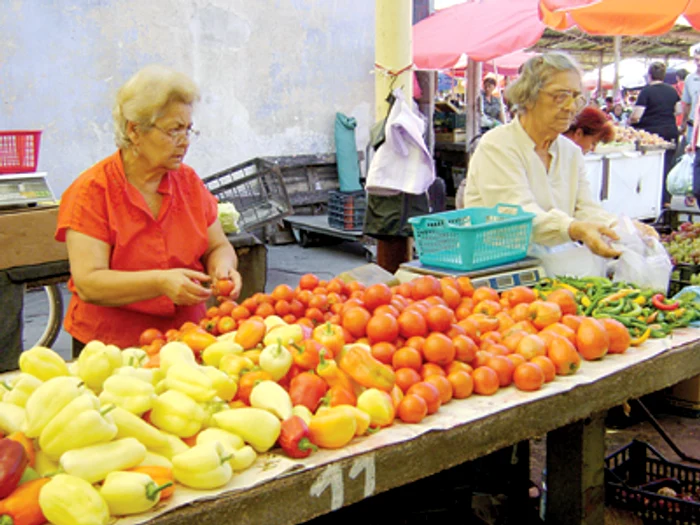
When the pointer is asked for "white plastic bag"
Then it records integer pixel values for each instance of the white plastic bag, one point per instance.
(680, 179)
(644, 261)
(569, 259)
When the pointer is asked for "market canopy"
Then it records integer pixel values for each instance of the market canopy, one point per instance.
(618, 17)
(475, 30)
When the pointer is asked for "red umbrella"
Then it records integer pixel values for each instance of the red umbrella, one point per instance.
(482, 30)
(619, 17)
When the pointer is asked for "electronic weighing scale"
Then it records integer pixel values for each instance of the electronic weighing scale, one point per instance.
(24, 189)
(525, 272)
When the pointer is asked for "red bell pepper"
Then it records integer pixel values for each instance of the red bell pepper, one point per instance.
(13, 461)
(295, 438)
(659, 302)
(306, 354)
(307, 389)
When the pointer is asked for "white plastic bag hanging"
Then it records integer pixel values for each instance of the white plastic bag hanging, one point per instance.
(570, 259)
(680, 178)
(644, 261)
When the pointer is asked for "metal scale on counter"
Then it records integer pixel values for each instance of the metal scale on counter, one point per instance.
(24, 189)
(525, 272)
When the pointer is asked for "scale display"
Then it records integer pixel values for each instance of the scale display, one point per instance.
(24, 188)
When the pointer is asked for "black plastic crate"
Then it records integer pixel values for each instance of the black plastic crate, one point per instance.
(339, 201)
(256, 188)
(681, 277)
(350, 221)
(634, 473)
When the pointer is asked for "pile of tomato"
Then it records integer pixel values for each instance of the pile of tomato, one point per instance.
(441, 338)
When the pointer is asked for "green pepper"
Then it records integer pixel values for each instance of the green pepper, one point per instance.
(636, 311)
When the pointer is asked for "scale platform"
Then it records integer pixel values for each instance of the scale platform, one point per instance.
(525, 272)
(23, 189)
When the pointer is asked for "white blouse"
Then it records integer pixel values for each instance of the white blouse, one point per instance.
(506, 169)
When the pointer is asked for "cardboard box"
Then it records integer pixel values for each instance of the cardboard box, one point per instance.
(686, 394)
(26, 237)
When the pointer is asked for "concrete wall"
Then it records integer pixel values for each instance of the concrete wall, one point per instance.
(272, 73)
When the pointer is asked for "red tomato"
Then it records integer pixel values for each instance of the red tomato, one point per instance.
(149, 335)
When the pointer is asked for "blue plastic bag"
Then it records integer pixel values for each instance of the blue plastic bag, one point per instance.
(346, 153)
(695, 290)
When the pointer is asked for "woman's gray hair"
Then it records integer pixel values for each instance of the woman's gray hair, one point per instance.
(146, 94)
(535, 74)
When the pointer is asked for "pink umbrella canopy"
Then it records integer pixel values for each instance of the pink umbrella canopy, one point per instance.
(482, 30)
(507, 65)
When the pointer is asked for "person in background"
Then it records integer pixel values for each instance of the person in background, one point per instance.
(491, 105)
(141, 228)
(608, 109)
(619, 114)
(679, 86)
(691, 90)
(528, 162)
(590, 127)
(658, 104)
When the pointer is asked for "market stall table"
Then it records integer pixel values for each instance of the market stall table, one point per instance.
(572, 420)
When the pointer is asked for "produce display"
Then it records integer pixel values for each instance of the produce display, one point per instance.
(629, 135)
(116, 432)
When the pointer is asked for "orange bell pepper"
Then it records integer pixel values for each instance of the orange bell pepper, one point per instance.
(328, 369)
(332, 428)
(27, 443)
(21, 507)
(360, 365)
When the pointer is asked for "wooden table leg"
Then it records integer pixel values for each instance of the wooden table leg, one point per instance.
(575, 473)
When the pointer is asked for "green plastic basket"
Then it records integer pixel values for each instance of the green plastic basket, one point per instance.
(473, 238)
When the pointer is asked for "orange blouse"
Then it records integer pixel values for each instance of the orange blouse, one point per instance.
(102, 204)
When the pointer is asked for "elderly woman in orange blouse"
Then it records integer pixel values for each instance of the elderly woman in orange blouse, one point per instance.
(141, 228)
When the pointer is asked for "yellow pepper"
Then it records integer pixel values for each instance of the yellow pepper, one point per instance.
(204, 466)
(272, 397)
(618, 295)
(93, 463)
(175, 352)
(242, 455)
(213, 353)
(276, 360)
(224, 385)
(287, 334)
(20, 388)
(585, 301)
(81, 423)
(96, 363)
(210, 408)
(235, 364)
(129, 493)
(44, 465)
(378, 405)
(47, 401)
(12, 418)
(177, 413)
(332, 428)
(230, 441)
(362, 418)
(303, 412)
(148, 375)
(129, 393)
(257, 427)
(243, 458)
(273, 321)
(70, 500)
(43, 363)
(155, 460)
(174, 446)
(191, 381)
(639, 340)
(135, 357)
(131, 425)
(640, 300)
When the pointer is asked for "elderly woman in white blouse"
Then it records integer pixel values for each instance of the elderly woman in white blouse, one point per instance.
(530, 163)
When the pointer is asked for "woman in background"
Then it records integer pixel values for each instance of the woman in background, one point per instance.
(590, 127)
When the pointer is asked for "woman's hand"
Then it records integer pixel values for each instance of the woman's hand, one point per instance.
(233, 275)
(183, 286)
(595, 237)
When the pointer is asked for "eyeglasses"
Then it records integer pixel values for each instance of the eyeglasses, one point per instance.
(564, 98)
(179, 133)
